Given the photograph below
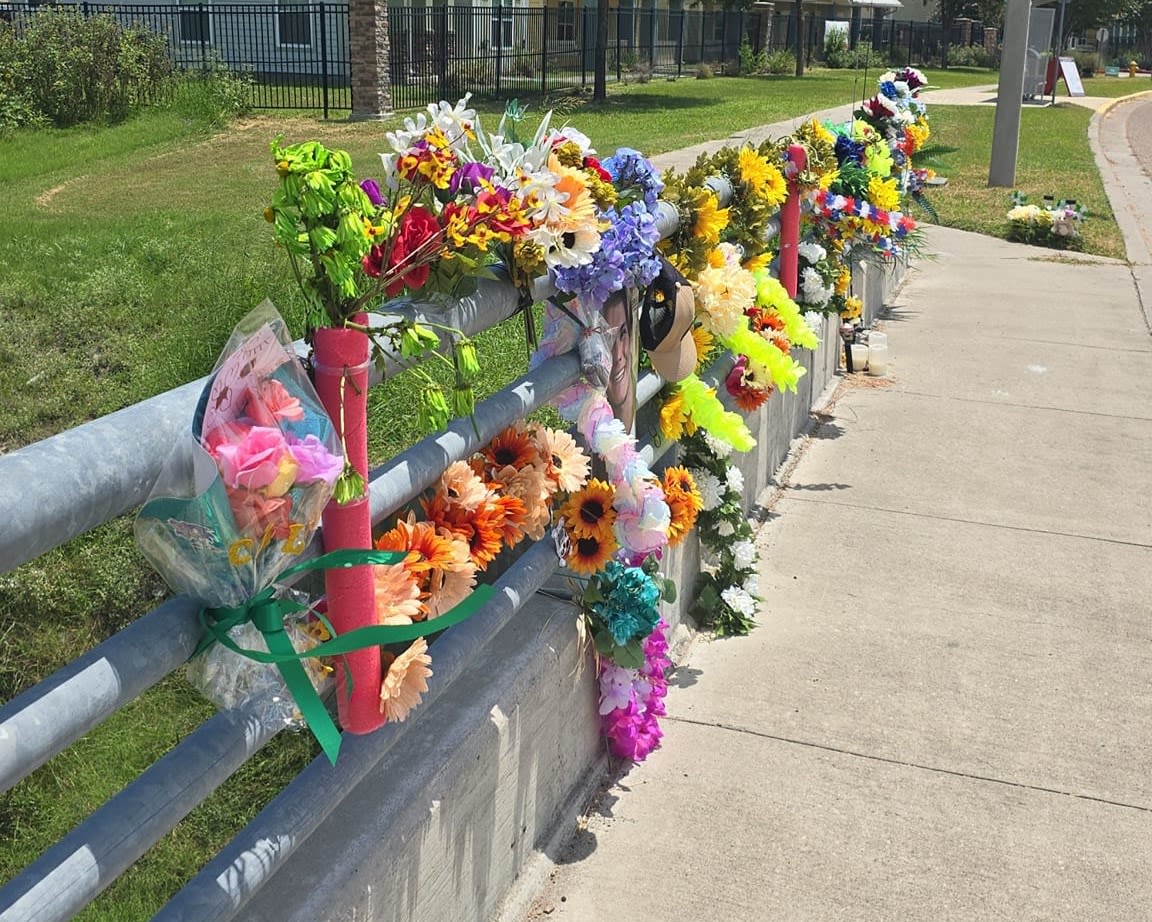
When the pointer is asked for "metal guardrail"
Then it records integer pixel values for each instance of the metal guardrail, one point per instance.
(52, 492)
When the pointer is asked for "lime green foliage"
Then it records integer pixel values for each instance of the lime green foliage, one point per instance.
(1054, 159)
(322, 219)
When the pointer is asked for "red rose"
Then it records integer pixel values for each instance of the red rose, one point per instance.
(591, 163)
(408, 264)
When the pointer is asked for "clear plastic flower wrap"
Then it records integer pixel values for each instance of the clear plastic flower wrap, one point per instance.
(230, 680)
(239, 500)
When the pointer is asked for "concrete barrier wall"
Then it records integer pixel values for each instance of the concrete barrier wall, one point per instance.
(501, 765)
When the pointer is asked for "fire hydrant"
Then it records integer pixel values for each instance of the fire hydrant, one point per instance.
(1132, 68)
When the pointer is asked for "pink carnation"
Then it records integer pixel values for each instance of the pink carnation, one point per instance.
(270, 403)
(258, 460)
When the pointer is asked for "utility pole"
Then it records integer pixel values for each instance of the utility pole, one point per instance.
(1059, 50)
(1006, 129)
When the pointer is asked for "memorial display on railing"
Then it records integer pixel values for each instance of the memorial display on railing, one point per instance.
(702, 308)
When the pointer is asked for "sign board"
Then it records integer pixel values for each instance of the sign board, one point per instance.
(1071, 76)
(1101, 35)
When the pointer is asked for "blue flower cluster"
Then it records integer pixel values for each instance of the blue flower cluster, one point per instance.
(629, 605)
(848, 150)
(888, 88)
(634, 177)
(626, 258)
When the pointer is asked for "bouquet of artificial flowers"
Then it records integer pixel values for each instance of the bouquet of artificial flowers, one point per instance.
(237, 503)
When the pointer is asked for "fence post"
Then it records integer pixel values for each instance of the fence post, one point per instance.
(324, 57)
(499, 17)
(544, 51)
(680, 44)
(619, 68)
(701, 61)
(790, 220)
(441, 14)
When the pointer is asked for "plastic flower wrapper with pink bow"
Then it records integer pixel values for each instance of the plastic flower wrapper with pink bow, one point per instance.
(234, 508)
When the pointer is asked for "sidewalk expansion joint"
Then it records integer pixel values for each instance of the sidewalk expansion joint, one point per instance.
(1022, 406)
(791, 494)
(970, 776)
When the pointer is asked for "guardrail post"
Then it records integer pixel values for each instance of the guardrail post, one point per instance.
(790, 220)
(342, 384)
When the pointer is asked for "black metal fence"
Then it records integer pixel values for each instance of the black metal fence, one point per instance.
(297, 53)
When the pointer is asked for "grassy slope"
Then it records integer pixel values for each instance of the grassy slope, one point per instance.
(128, 255)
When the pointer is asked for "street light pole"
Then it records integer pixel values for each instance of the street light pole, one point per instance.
(1006, 128)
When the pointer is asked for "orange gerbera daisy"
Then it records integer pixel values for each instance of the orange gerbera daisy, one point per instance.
(397, 594)
(533, 489)
(405, 680)
(512, 446)
(426, 549)
(591, 553)
(589, 513)
(461, 486)
(449, 588)
(751, 397)
(564, 460)
(514, 518)
(484, 533)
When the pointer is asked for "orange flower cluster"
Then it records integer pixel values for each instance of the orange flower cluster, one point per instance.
(684, 502)
(478, 507)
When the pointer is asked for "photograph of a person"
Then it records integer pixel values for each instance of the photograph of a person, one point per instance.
(619, 319)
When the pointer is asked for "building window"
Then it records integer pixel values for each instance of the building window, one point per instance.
(293, 24)
(566, 21)
(502, 28)
(718, 24)
(193, 24)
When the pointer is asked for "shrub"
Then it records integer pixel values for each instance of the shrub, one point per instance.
(89, 69)
(752, 62)
(838, 55)
(1085, 63)
(969, 56)
(781, 62)
(836, 52)
(213, 94)
(704, 72)
(17, 108)
(524, 66)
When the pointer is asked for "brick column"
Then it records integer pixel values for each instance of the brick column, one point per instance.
(991, 39)
(766, 11)
(369, 48)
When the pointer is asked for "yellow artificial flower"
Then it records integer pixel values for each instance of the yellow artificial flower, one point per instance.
(853, 308)
(821, 133)
(674, 421)
(763, 178)
(759, 262)
(883, 194)
(705, 343)
(843, 280)
(710, 219)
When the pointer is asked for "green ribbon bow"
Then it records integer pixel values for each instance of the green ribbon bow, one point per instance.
(267, 612)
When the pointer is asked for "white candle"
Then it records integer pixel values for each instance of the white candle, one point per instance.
(859, 356)
(877, 359)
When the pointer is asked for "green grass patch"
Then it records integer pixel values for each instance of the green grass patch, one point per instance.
(129, 253)
(1054, 159)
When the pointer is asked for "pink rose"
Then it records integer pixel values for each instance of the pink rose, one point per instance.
(315, 461)
(260, 460)
(269, 404)
(255, 513)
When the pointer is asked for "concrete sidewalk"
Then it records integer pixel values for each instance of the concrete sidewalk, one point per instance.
(946, 713)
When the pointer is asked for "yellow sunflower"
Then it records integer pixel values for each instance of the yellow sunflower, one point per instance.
(589, 513)
(591, 553)
(763, 178)
(705, 344)
(710, 219)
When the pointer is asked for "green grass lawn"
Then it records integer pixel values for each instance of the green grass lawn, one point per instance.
(1054, 159)
(129, 253)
